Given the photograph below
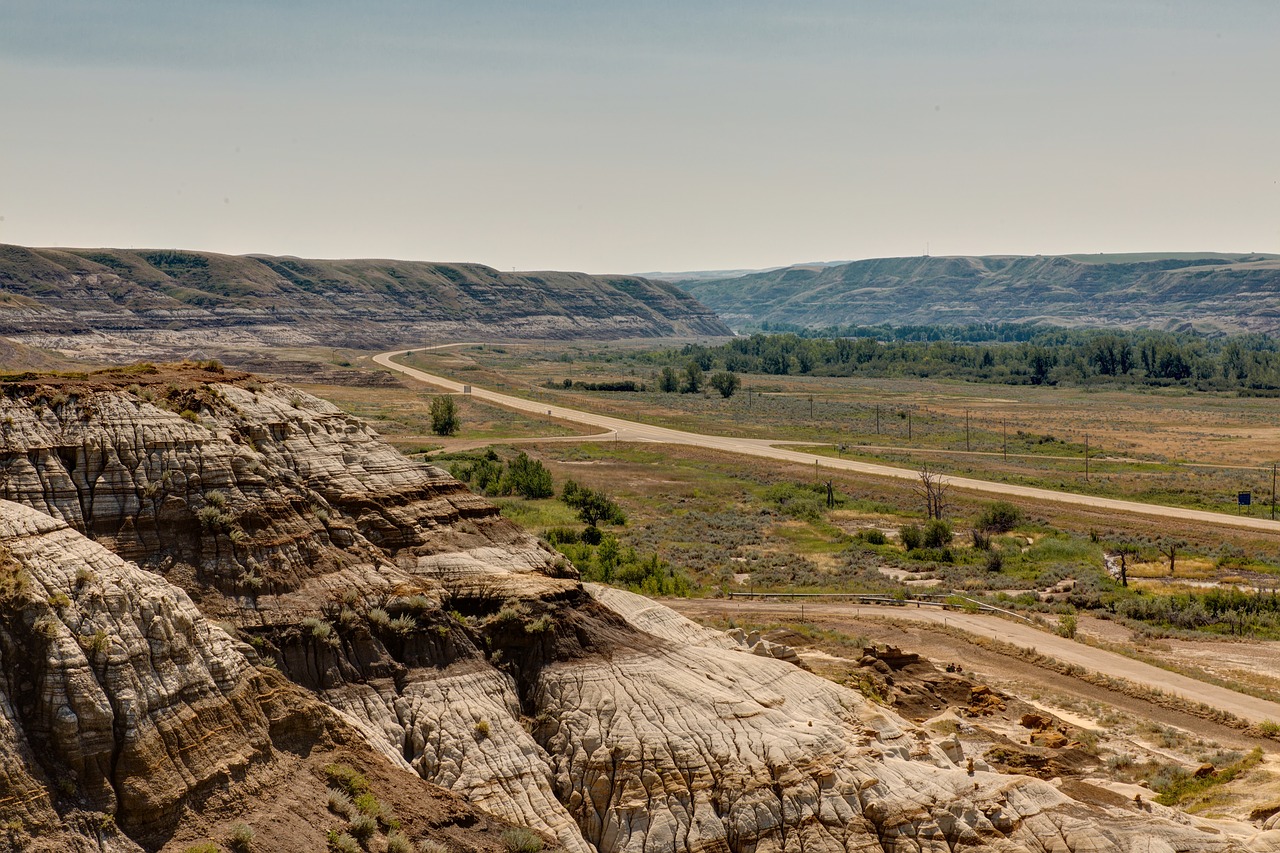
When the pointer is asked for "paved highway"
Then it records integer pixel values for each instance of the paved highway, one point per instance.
(769, 448)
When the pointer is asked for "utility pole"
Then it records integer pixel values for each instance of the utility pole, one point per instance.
(810, 407)
(908, 424)
(877, 419)
(966, 430)
(1273, 491)
(1004, 446)
(1086, 457)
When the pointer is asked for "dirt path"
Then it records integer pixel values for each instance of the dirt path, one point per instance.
(1024, 636)
(624, 430)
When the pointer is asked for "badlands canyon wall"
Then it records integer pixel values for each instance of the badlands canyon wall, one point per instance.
(116, 304)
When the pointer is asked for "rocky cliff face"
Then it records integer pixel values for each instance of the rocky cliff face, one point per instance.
(117, 304)
(1210, 293)
(411, 627)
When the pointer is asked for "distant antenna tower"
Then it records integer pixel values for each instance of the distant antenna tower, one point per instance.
(926, 249)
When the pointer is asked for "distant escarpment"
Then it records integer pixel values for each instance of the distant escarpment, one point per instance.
(127, 304)
(214, 587)
(1229, 293)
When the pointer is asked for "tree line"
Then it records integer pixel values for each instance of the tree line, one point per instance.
(1011, 354)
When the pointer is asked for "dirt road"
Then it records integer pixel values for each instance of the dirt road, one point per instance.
(625, 430)
(1025, 636)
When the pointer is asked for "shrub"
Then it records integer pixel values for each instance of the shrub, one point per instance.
(999, 517)
(397, 843)
(529, 478)
(911, 536)
(363, 827)
(593, 507)
(241, 837)
(937, 534)
(1066, 626)
(797, 501)
(873, 537)
(981, 539)
(431, 846)
(481, 729)
(522, 840)
(995, 561)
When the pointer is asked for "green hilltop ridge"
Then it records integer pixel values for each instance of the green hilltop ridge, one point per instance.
(1207, 292)
(167, 298)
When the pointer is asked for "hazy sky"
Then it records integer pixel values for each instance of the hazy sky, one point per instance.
(628, 136)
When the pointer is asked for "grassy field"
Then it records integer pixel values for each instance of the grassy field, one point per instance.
(1150, 445)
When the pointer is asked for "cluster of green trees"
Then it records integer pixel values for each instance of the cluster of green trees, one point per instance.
(522, 476)
(1219, 611)
(606, 560)
(1034, 355)
(691, 378)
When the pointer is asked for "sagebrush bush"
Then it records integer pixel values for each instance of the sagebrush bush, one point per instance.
(240, 838)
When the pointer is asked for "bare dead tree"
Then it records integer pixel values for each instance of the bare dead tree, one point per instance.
(932, 489)
(1169, 547)
(1124, 550)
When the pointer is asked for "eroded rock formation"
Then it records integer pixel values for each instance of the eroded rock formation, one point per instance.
(408, 620)
(125, 304)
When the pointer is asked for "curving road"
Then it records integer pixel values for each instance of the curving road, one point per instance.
(767, 448)
(1242, 705)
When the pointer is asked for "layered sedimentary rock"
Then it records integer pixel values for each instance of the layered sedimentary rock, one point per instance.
(453, 648)
(115, 303)
(1207, 292)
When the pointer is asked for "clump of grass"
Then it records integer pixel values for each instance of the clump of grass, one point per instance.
(363, 827)
(519, 839)
(397, 843)
(403, 625)
(431, 846)
(347, 779)
(368, 804)
(481, 729)
(1181, 787)
(342, 842)
(340, 804)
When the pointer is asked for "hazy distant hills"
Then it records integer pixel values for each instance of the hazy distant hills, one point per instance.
(1204, 291)
(112, 301)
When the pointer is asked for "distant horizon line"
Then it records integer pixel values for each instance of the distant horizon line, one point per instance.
(705, 271)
